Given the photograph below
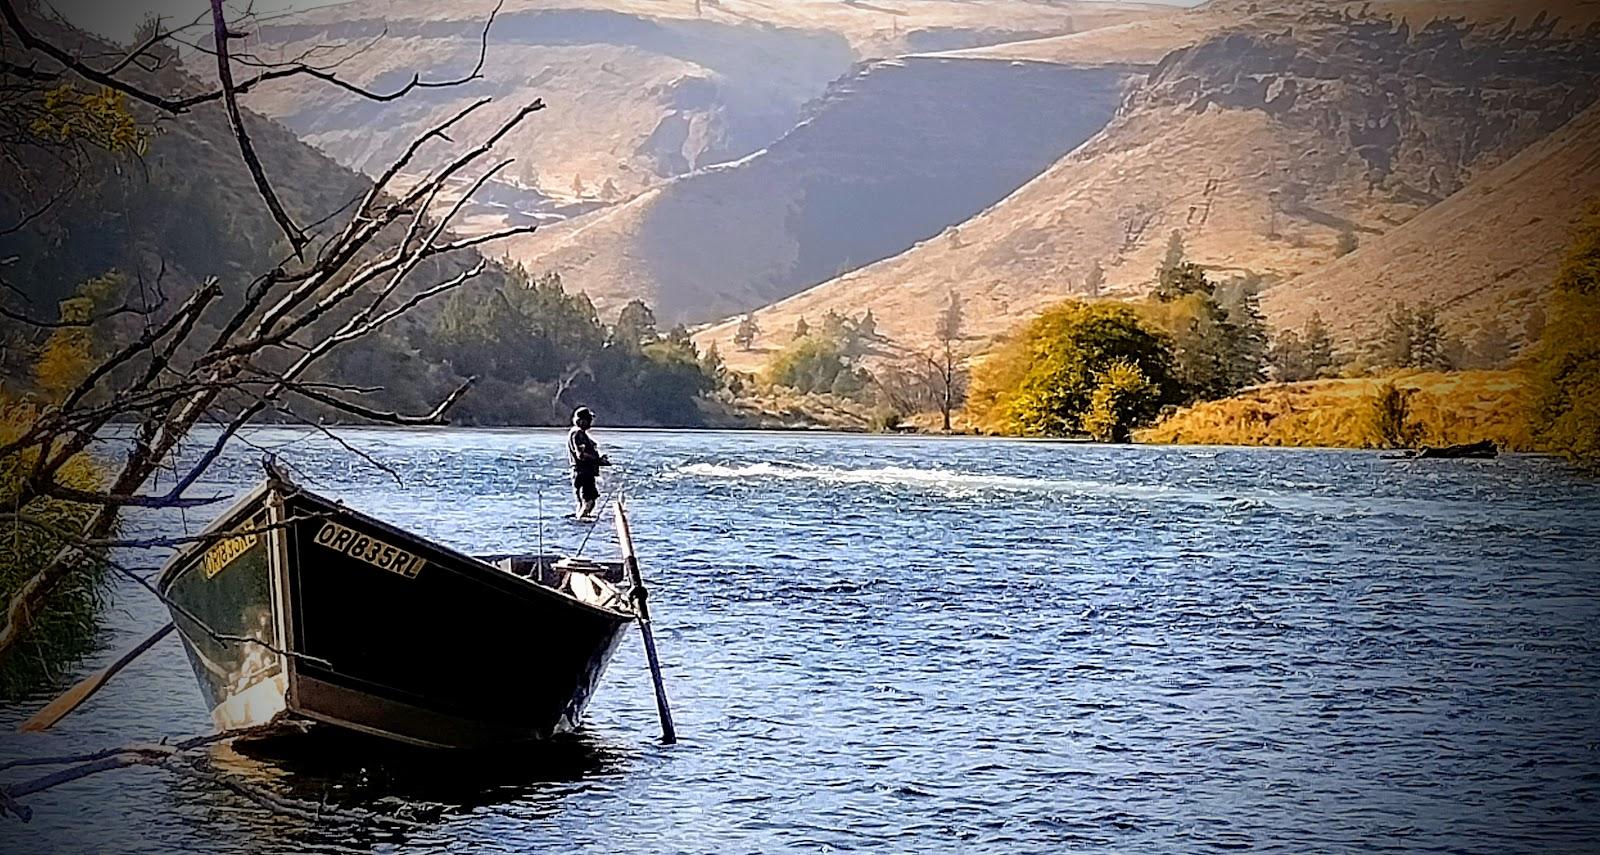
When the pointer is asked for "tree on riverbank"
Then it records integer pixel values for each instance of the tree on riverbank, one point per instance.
(1219, 338)
(538, 351)
(1042, 382)
(1304, 354)
(1565, 412)
(1388, 418)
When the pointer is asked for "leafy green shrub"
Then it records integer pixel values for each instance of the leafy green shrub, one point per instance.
(1041, 382)
(818, 363)
(1122, 400)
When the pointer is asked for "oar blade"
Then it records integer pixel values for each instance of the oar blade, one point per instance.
(85, 689)
(66, 702)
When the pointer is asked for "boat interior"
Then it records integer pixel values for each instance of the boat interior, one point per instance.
(598, 583)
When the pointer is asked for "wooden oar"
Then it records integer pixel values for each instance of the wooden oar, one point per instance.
(630, 562)
(74, 697)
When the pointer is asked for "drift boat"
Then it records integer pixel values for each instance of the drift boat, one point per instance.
(294, 607)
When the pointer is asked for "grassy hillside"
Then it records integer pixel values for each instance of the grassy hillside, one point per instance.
(878, 165)
(186, 211)
(639, 91)
(1487, 252)
(1271, 146)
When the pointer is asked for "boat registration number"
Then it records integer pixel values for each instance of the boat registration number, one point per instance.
(370, 550)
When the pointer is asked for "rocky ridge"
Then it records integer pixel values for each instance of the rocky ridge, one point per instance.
(637, 91)
(1267, 145)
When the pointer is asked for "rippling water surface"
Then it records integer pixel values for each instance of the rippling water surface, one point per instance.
(924, 645)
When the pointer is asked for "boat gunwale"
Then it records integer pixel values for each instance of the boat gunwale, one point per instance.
(180, 561)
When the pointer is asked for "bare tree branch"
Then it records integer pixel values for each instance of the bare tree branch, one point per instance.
(230, 99)
(329, 293)
(388, 416)
(189, 758)
(110, 80)
(125, 309)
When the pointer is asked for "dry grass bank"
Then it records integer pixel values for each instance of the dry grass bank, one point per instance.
(1452, 408)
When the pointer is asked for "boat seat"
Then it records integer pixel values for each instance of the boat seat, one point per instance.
(594, 590)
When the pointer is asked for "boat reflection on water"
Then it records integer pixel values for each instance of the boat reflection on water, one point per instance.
(311, 764)
(410, 794)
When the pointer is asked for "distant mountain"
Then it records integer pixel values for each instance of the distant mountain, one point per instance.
(638, 91)
(1270, 143)
(892, 155)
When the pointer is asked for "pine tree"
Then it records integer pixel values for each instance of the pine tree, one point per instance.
(1287, 356)
(1392, 346)
(1491, 347)
(636, 325)
(1175, 251)
(1175, 283)
(1431, 348)
(948, 377)
(745, 335)
(1246, 331)
(1093, 282)
(1320, 357)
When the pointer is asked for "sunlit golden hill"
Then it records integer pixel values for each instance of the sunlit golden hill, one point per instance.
(1487, 252)
(1271, 144)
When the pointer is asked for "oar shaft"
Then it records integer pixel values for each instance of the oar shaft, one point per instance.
(641, 598)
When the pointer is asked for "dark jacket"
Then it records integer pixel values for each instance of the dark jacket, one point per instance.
(583, 454)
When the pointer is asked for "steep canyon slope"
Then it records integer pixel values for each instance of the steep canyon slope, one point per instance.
(1270, 145)
(1486, 253)
(638, 91)
(894, 154)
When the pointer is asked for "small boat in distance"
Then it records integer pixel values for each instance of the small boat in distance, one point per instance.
(294, 607)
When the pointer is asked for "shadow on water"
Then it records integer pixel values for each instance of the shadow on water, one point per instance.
(422, 790)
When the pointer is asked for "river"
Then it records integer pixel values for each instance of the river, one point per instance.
(953, 645)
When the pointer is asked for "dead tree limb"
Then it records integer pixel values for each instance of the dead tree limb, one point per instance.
(178, 105)
(221, 32)
(191, 759)
(338, 290)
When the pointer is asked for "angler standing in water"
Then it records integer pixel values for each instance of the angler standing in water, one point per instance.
(586, 460)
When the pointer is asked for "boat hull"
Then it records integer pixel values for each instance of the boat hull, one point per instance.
(330, 615)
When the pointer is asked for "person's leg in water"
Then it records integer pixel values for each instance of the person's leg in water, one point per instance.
(587, 494)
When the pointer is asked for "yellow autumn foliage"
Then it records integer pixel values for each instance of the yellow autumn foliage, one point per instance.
(1565, 409)
(1042, 382)
(1450, 409)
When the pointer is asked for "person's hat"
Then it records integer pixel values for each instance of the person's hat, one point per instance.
(582, 414)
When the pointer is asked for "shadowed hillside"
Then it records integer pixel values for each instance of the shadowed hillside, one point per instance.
(892, 155)
(638, 91)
